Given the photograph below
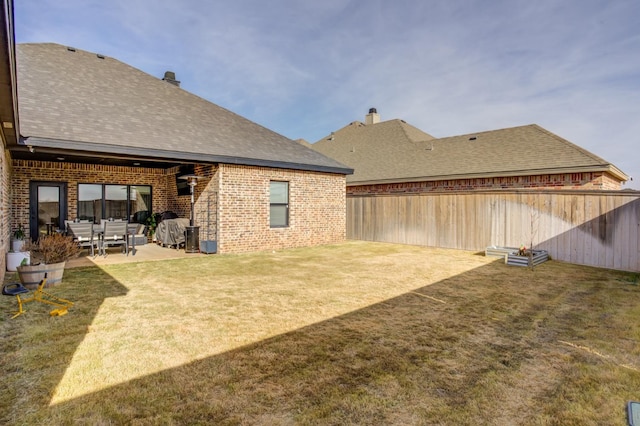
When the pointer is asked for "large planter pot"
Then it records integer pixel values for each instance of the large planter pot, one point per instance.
(208, 246)
(31, 275)
(14, 259)
(16, 245)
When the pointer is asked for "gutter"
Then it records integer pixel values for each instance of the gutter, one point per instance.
(93, 149)
(610, 168)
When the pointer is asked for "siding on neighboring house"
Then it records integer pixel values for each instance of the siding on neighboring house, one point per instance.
(568, 181)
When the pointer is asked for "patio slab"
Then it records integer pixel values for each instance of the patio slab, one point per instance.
(144, 253)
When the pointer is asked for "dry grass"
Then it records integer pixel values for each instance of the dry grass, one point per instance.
(356, 333)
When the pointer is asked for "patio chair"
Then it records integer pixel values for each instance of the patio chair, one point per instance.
(39, 295)
(137, 234)
(114, 234)
(84, 234)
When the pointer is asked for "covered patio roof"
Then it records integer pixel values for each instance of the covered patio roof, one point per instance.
(8, 99)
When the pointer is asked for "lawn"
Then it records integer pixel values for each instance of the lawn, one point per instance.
(354, 333)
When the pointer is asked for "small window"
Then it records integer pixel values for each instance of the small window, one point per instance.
(278, 204)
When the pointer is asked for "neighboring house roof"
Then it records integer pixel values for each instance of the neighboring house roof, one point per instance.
(394, 151)
(76, 100)
(303, 142)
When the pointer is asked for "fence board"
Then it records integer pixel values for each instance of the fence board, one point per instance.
(588, 230)
(599, 228)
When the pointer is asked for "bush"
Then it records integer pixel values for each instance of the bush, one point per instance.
(53, 249)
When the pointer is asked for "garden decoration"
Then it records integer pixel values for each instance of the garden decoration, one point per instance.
(48, 256)
(39, 295)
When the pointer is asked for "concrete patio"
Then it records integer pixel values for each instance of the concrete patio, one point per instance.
(143, 253)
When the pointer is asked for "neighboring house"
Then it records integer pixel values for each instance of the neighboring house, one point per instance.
(100, 139)
(393, 156)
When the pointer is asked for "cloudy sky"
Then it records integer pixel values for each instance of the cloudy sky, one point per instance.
(305, 68)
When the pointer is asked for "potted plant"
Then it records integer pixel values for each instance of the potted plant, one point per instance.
(17, 243)
(48, 255)
(152, 224)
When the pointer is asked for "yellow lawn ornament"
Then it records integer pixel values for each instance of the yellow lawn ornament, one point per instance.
(39, 295)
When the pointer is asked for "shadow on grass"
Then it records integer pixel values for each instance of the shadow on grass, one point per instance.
(26, 338)
(479, 347)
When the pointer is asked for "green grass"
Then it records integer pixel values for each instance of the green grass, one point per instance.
(355, 333)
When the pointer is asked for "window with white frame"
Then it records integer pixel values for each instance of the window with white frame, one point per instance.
(278, 204)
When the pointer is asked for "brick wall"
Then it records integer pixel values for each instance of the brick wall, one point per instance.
(6, 229)
(73, 174)
(181, 204)
(317, 209)
(231, 202)
(583, 181)
(608, 182)
(206, 201)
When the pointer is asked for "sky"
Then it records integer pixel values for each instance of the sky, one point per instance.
(305, 68)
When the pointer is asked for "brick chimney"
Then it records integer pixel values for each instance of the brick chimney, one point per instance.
(170, 77)
(372, 118)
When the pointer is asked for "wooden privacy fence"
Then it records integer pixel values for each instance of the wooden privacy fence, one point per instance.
(597, 228)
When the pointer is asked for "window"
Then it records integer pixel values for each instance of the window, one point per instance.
(278, 204)
(139, 203)
(89, 202)
(129, 202)
(115, 202)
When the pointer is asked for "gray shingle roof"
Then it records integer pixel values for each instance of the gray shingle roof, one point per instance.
(80, 100)
(393, 151)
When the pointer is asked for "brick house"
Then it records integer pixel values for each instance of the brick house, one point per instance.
(395, 157)
(95, 138)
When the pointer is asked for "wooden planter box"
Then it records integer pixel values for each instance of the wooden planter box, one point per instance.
(31, 275)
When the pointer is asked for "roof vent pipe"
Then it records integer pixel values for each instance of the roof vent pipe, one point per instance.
(373, 117)
(170, 77)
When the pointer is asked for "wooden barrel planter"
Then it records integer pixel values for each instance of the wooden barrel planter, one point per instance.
(31, 275)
